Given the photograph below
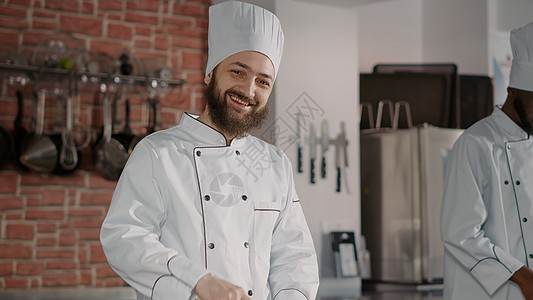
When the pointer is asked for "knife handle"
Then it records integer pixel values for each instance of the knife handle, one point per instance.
(300, 162)
(312, 172)
(323, 168)
(338, 179)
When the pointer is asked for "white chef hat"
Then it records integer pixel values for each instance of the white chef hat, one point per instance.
(521, 76)
(236, 26)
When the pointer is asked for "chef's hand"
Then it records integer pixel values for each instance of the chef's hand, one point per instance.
(524, 278)
(210, 287)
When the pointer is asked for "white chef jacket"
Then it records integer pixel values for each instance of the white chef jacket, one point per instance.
(487, 210)
(186, 204)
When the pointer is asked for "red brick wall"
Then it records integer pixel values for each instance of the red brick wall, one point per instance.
(49, 224)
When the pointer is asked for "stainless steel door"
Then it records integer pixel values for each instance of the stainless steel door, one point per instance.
(401, 184)
(435, 144)
(390, 222)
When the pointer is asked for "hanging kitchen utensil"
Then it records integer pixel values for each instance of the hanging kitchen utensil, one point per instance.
(125, 136)
(20, 134)
(341, 157)
(300, 141)
(148, 122)
(324, 146)
(158, 122)
(312, 153)
(80, 131)
(110, 155)
(39, 153)
(68, 154)
(117, 113)
(58, 136)
(18, 78)
(6, 145)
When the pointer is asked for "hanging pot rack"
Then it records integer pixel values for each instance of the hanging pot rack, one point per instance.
(103, 77)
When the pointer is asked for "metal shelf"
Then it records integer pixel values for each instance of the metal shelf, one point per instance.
(103, 77)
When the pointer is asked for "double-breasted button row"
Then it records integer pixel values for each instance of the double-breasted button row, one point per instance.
(207, 197)
(506, 182)
(199, 153)
(212, 245)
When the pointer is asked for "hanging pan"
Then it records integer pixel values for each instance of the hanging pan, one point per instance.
(109, 155)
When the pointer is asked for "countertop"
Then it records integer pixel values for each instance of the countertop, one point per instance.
(126, 293)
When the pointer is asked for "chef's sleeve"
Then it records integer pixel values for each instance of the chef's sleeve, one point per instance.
(464, 212)
(293, 262)
(131, 230)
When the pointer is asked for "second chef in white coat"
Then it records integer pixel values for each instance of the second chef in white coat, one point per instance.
(205, 210)
(487, 208)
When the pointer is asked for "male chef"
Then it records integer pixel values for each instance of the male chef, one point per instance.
(188, 220)
(487, 208)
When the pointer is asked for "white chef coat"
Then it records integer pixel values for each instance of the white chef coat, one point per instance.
(487, 210)
(186, 204)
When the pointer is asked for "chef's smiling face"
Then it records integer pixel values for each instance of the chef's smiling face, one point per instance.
(238, 91)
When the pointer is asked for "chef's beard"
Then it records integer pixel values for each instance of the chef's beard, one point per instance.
(527, 123)
(226, 120)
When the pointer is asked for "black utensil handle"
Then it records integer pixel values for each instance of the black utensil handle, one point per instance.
(338, 179)
(312, 171)
(20, 113)
(127, 128)
(323, 167)
(300, 162)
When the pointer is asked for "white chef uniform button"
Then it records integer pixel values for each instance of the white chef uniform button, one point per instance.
(198, 153)
(211, 246)
(250, 293)
(246, 245)
(207, 198)
(237, 152)
(244, 197)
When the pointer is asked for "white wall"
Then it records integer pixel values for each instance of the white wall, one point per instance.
(425, 31)
(389, 32)
(513, 14)
(320, 59)
(456, 31)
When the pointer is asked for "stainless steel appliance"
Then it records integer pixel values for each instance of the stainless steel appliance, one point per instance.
(401, 186)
